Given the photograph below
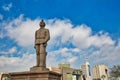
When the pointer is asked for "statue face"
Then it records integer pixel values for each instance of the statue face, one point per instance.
(42, 24)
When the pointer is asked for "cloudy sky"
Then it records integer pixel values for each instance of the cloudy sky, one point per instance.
(79, 29)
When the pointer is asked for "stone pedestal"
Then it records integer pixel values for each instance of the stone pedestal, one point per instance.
(39, 75)
(36, 69)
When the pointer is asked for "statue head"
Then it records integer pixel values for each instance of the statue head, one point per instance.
(42, 23)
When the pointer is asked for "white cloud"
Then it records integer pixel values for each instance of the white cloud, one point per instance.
(1, 30)
(83, 38)
(12, 64)
(10, 51)
(80, 36)
(63, 55)
(1, 16)
(1, 35)
(22, 31)
(7, 7)
(73, 59)
(63, 32)
(108, 54)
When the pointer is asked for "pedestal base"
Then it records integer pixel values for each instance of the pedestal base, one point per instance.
(42, 75)
(37, 69)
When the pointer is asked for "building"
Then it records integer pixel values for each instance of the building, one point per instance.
(57, 70)
(86, 71)
(67, 72)
(3, 75)
(64, 65)
(100, 72)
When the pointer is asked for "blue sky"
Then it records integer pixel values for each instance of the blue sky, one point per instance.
(78, 28)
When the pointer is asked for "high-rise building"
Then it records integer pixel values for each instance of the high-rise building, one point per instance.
(100, 72)
(86, 70)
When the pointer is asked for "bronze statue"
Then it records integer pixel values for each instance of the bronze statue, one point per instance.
(41, 38)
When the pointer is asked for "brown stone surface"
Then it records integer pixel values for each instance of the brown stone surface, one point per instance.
(30, 75)
(37, 69)
(42, 36)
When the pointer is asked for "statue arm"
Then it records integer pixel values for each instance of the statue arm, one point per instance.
(35, 38)
(47, 35)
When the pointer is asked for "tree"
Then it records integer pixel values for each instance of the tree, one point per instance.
(115, 71)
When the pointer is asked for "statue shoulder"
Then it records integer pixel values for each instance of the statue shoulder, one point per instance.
(46, 29)
(37, 30)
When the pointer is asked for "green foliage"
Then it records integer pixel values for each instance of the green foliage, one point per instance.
(8, 79)
(115, 71)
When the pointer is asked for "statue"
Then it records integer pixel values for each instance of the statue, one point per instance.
(41, 38)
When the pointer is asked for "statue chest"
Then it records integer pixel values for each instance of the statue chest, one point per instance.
(41, 33)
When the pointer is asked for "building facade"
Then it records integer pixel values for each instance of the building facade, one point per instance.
(100, 72)
(86, 71)
(57, 70)
(67, 72)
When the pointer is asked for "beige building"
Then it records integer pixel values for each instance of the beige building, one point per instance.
(86, 71)
(67, 72)
(58, 70)
(3, 75)
(100, 72)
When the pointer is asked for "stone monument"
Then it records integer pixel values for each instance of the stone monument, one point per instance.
(38, 72)
(42, 36)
